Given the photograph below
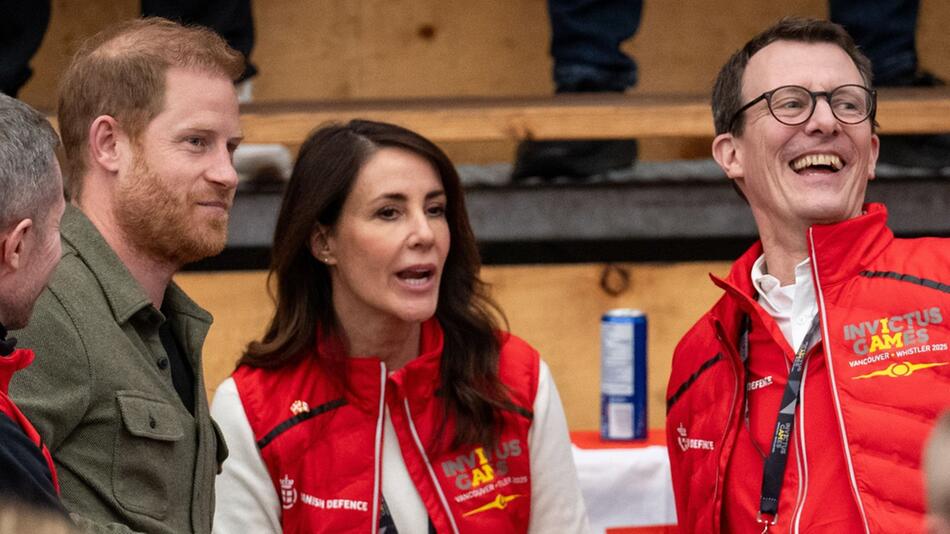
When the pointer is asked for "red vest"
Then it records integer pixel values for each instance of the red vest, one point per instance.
(21, 359)
(323, 446)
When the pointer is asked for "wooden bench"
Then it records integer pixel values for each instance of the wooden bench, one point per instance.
(582, 116)
(659, 209)
(592, 116)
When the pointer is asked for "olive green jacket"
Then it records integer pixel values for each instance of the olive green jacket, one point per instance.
(101, 395)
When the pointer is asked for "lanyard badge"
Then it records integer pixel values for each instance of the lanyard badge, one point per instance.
(774, 471)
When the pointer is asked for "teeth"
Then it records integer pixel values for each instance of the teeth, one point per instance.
(812, 160)
(414, 275)
(416, 281)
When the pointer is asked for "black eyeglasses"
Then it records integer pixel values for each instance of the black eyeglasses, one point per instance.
(793, 105)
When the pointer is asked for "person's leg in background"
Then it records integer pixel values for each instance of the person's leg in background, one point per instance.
(231, 19)
(885, 30)
(585, 44)
(22, 26)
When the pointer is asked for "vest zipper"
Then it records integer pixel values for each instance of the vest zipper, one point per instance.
(733, 358)
(801, 457)
(425, 459)
(827, 346)
(378, 467)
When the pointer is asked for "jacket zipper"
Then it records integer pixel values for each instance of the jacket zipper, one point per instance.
(732, 408)
(425, 459)
(802, 457)
(377, 471)
(820, 297)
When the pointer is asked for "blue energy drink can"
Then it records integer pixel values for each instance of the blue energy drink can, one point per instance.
(623, 375)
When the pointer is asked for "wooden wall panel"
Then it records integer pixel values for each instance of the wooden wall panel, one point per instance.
(70, 23)
(555, 308)
(241, 308)
(401, 48)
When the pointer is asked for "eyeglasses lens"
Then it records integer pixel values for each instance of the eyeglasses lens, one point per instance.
(793, 105)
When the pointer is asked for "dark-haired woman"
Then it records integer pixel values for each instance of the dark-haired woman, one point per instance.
(383, 397)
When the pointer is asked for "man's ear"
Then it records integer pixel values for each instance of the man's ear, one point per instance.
(726, 152)
(105, 141)
(321, 245)
(12, 245)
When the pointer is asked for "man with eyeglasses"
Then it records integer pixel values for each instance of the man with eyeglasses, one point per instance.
(801, 400)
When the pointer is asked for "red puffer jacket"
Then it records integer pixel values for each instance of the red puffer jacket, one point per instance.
(884, 305)
(21, 359)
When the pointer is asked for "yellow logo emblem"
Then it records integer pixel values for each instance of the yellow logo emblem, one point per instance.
(500, 503)
(900, 369)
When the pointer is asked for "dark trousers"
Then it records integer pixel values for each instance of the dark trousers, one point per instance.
(585, 44)
(231, 19)
(885, 31)
(586, 37)
(23, 23)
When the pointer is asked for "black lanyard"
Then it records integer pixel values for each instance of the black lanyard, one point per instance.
(773, 473)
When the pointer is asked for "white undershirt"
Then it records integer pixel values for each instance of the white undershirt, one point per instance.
(246, 500)
(792, 306)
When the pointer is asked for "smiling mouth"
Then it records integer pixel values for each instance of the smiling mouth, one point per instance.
(817, 162)
(416, 276)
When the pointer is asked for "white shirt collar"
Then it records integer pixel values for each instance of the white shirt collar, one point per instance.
(792, 306)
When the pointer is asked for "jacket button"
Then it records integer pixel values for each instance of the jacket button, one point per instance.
(162, 363)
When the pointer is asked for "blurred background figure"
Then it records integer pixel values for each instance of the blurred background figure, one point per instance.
(24, 23)
(585, 45)
(886, 31)
(586, 39)
(937, 477)
(18, 518)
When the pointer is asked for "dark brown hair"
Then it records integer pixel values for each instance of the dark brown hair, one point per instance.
(120, 72)
(327, 166)
(727, 91)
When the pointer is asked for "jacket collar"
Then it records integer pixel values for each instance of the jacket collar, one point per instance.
(17, 360)
(122, 291)
(842, 250)
(419, 378)
(739, 299)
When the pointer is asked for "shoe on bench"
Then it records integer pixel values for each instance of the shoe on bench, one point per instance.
(573, 159)
(931, 151)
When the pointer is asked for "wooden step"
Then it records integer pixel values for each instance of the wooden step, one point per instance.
(588, 116)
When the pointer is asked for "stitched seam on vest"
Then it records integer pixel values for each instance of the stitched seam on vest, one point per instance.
(297, 419)
(524, 412)
(932, 284)
(520, 410)
(689, 381)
